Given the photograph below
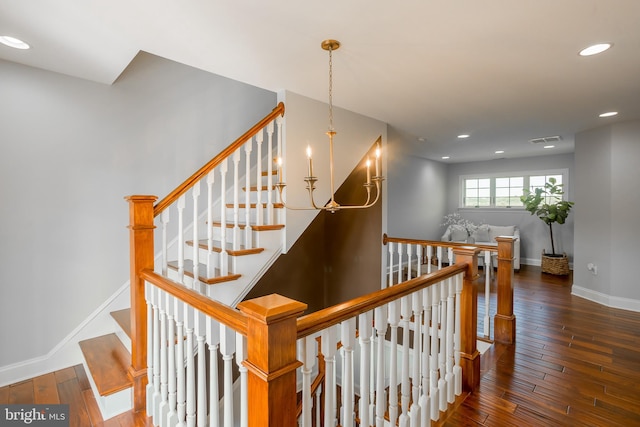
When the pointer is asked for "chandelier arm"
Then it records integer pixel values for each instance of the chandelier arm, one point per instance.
(280, 187)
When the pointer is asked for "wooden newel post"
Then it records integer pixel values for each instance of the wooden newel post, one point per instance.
(271, 359)
(504, 322)
(469, 355)
(141, 257)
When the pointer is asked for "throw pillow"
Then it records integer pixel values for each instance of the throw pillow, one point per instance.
(495, 231)
(458, 233)
(482, 233)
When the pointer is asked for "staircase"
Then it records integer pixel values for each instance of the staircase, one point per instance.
(235, 233)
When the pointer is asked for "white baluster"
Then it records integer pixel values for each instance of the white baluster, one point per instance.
(195, 192)
(409, 260)
(164, 218)
(213, 339)
(394, 319)
(224, 256)
(419, 256)
(241, 355)
(449, 378)
(270, 218)
(236, 200)
(329, 341)
(442, 384)
(171, 363)
(247, 196)
(372, 379)
(450, 255)
(163, 408)
(457, 370)
(390, 281)
(400, 250)
(364, 332)
(157, 397)
(317, 405)
(210, 261)
(380, 324)
(191, 371)
(425, 409)
(279, 120)
(149, 290)
(227, 348)
(405, 390)
(181, 397)
(433, 374)
(348, 336)
(429, 257)
(439, 256)
(487, 294)
(259, 205)
(307, 354)
(201, 383)
(180, 206)
(416, 308)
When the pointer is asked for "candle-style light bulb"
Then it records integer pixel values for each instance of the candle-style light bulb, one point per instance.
(310, 161)
(368, 171)
(280, 170)
(378, 161)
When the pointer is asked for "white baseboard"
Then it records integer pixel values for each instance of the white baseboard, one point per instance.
(537, 262)
(67, 353)
(607, 300)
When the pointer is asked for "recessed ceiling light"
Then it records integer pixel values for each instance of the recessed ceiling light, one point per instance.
(463, 136)
(13, 42)
(445, 157)
(422, 139)
(609, 114)
(595, 49)
(549, 146)
(500, 152)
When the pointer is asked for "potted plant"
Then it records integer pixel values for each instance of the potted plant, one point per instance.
(548, 205)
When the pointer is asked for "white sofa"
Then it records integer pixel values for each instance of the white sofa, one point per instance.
(485, 234)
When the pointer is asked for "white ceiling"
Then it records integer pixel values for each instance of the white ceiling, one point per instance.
(503, 71)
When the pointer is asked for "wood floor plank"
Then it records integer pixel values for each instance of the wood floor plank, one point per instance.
(70, 393)
(45, 389)
(21, 393)
(4, 395)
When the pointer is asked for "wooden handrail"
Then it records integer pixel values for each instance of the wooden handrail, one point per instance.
(182, 188)
(214, 309)
(330, 316)
(386, 239)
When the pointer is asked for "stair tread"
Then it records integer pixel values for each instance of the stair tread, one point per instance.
(255, 188)
(108, 361)
(253, 226)
(123, 318)
(188, 270)
(217, 247)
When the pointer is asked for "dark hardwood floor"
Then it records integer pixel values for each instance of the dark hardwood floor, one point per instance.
(575, 363)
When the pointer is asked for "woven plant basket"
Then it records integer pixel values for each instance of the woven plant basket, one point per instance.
(558, 265)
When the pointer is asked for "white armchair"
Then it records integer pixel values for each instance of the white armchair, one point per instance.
(486, 234)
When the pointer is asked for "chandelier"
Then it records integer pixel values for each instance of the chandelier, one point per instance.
(371, 182)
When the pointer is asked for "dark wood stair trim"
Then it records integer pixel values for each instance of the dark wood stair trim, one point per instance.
(253, 226)
(108, 362)
(217, 247)
(188, 271)
(123, 318)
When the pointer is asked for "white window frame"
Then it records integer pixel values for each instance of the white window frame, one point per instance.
(526, 185)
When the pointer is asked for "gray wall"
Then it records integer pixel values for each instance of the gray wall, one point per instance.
(534, 234)
(72, 149)
(607, 176)
(416, 190)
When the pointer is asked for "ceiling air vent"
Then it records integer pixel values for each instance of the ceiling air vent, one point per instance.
(546, 140)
